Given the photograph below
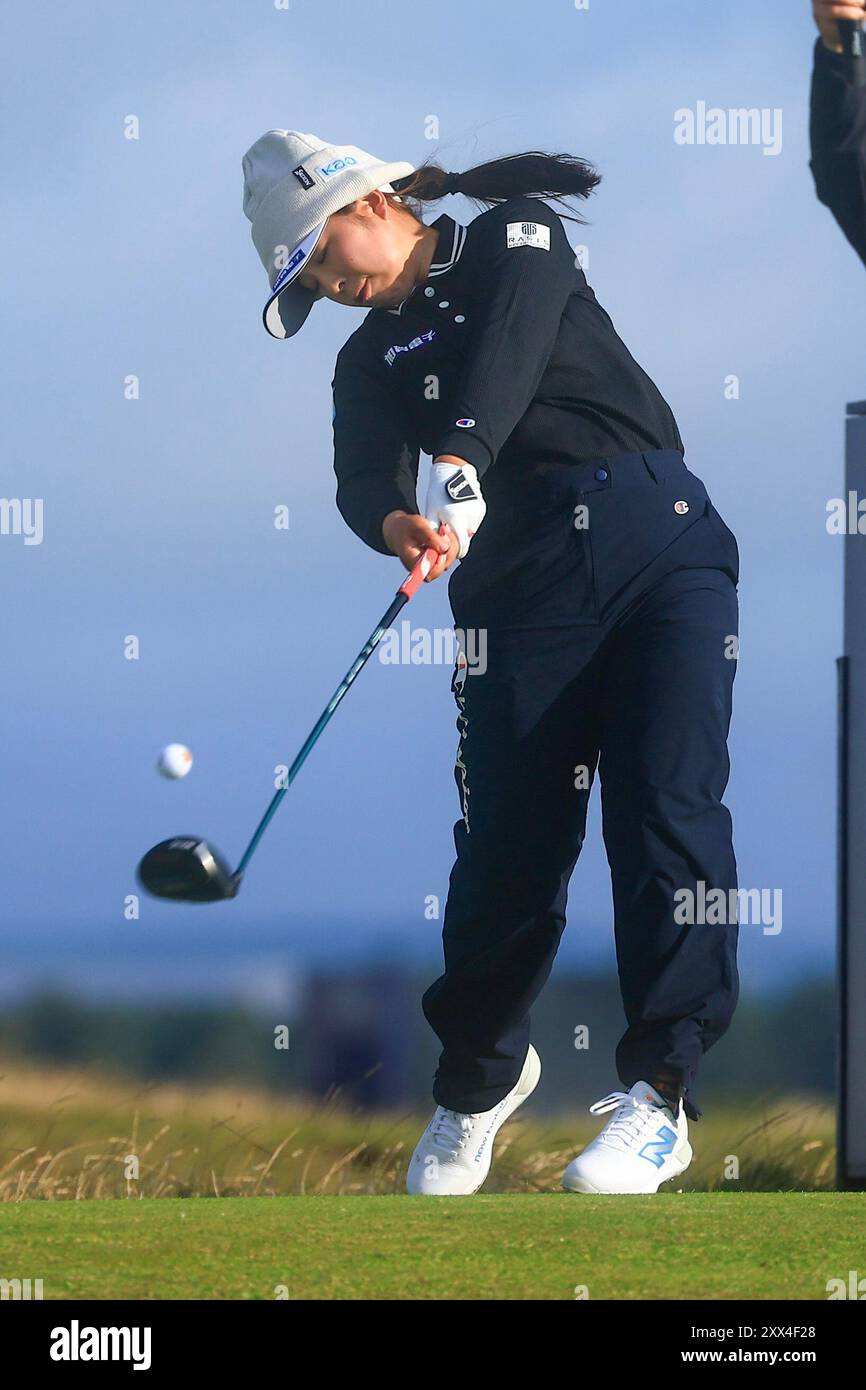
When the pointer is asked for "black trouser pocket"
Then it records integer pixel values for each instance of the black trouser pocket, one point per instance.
(648, 507)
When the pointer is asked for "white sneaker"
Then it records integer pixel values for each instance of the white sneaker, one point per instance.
(642, 1145)
(453, 1155)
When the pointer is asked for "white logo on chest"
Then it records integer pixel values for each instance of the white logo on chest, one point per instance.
(528, 234)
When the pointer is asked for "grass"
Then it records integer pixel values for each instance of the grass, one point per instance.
(552, 1246)
(73, 1135)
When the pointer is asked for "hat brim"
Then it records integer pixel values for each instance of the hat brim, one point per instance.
(290, 303)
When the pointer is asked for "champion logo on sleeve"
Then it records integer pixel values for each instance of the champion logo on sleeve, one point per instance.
(528, 234)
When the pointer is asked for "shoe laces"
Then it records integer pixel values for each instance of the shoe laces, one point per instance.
(451, 1129)
(631, 1119)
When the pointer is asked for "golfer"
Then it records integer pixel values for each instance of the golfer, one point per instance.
(605, 585)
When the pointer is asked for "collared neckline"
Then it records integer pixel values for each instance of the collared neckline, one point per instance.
(449, 248)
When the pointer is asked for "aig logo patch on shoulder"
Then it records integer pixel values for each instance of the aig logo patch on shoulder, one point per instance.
(528, 234)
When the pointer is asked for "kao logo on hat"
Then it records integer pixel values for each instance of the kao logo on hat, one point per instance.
(336, 165)
(681, 508)
(465, 424)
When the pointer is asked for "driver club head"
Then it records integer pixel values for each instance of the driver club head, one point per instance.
(187, 870)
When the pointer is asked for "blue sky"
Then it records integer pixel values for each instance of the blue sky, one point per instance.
(134, 257)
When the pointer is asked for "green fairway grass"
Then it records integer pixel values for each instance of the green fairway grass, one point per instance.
(724, 1245)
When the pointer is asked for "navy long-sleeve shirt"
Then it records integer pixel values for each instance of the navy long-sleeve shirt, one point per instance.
(837, 131)
(501, 356)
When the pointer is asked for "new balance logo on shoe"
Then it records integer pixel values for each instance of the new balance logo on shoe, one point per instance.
(657, 1150)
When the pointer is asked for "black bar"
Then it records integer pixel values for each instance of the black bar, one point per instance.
(844, 1181)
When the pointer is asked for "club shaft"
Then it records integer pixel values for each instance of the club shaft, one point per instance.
(407, 589)
(375, 636)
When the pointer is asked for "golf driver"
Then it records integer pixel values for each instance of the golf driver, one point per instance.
(189, 869)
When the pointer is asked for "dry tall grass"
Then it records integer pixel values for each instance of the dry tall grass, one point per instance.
(66, 1135)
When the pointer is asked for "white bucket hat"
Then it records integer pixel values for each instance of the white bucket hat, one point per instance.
(292, 184)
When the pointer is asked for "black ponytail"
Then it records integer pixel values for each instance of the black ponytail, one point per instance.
(534, 174)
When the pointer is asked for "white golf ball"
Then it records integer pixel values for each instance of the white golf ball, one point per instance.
(175, 760)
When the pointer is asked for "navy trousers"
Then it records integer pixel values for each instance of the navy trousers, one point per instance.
(602, 598)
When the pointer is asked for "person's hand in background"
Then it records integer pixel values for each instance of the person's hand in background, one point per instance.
(837, 117)
(827, 15)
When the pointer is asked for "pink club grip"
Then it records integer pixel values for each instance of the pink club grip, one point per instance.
(422, 568)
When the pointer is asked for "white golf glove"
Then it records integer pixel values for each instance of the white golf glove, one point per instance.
(454, 496)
